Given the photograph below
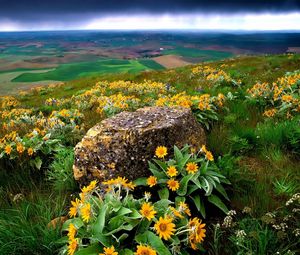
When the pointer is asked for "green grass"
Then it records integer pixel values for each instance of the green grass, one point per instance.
(206, 55)
(151, 64)
(23, 226)
(73, 71)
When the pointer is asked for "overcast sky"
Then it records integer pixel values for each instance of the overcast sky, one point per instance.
(149, 14)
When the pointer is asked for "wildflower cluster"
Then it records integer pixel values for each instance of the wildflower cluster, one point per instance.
(204, 106)
(187, 175)
(280, 98)
(108, 98)
(8, 102)
(26, 133)
(202, 102)
(106, 220)
(214, 76)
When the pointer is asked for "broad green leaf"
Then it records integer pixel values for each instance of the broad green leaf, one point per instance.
(215, 174)
(126, 252)
(155, 171)
(226, 181)
(123, 211)
(179, 199)
(115, 222)
(162, 205)
(191, 189)
(78, 223)
(101, 238)
(216, 179)
(163, 166)
(222, 191)
(116, 204)
(141, 238)
(199, 204)
(203, 168)
(141, 181)
(211, 181)
(98, 226)
(127, 227)
(217, 202)
(177, 154)
(157, 244)
(163, 193)
(183, 161)
(204, 183)
(209, 187)
(183, 185)
(91, 250)
(134, 215)
(144, 225)
(197, 183)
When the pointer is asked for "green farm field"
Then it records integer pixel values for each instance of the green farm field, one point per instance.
(203, 55)
(73, 71)
(27, 78)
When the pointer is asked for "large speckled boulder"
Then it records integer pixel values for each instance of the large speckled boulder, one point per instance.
(122, 145)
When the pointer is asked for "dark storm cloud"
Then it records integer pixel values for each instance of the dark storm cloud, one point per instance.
(19, 9)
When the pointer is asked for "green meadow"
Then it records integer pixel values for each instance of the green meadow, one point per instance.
(73, 71)
(205, 55)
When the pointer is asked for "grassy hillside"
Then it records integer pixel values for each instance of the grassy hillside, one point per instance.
(249, 107)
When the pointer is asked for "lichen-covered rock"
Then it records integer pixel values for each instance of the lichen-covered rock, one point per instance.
(122, 145)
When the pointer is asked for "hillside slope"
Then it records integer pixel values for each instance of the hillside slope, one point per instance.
(249, 107)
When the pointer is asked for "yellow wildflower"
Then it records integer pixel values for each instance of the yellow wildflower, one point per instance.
(197, 232)
(191, 167)
(176, 213)
(148, 211)
(165, 228)
(8, 149)
(270, 113)
(20, 148)
(30, 151)
(72, 246)
(90, 187)
(161, 151)
(183, 207)
(209, 156)
(86, 212)
(109, 251)
(144, 250)
(71, 231)
(173, 184)
(152, 181)
(74, 209)
(172, 171)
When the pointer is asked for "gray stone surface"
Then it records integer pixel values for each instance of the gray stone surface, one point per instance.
(122, 145)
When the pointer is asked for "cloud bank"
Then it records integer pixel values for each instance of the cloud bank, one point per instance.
(250, 21)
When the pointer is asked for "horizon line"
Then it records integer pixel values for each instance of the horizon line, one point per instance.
(153, 30)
